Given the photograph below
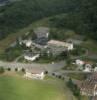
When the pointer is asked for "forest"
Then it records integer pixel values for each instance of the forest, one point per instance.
(81, 15)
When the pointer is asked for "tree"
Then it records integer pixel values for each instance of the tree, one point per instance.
(9, 69)
(73, 87)
(46, 72)
(53, 74)
(33, 35)
(1, 70)
(23, 70)
(16, 69)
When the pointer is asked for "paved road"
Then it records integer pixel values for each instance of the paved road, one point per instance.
(56, 67)
(72, 71)
(49, 67)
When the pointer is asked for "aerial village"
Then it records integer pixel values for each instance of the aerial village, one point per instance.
(40, 49)
(34, 49)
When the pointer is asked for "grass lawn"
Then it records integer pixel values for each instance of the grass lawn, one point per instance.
(17, 88)
(91, 46)
(78, 76)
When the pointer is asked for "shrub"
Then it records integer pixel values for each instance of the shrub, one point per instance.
(23, 70)
(9, 69)
(59, 76)
(1, 70)
(46, 72)
(53, 74)
(16, 69)
(74, 88)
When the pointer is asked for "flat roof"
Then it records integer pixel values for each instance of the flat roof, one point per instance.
(59, 43)
(43, 30)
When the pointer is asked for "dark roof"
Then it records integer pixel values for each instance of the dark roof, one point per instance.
(41, 41)
(89, 84)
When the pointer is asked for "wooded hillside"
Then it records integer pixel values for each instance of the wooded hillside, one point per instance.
(81, 13)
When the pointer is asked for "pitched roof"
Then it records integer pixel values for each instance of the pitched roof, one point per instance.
(89, 83)
(35, 71)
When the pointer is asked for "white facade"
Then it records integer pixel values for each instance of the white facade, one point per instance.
(87, 68)
(95, 69)
(31, 58)
(47, 35)
(40, 75)
(28, 43)
(89, 92)
(69, 46)
(79, 62)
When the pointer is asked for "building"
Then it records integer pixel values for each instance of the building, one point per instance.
(89, 86)
(31, 57)
(88, 68)
(95, 69)
(28, 43)
(57, 47)
(75, 41)
(79, 62)
(42, 32)
(35, 74)
(42, 35)
(41, 41)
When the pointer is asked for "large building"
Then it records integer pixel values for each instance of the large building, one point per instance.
(42, 35)
(57, 47)
(89, 86)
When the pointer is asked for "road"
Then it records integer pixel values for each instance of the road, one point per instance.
(48, 67)
(56, 67)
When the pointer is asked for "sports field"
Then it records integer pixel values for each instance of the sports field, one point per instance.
(17, 88)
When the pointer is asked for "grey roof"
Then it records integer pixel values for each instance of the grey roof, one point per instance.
(43, 30)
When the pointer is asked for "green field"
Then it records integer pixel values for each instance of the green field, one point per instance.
(17, 88)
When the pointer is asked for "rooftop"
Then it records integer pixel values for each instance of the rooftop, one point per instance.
(35, 71)
(59, 43)
(89, 83)
(43, 30)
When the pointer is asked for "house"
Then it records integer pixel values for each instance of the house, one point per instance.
(75, 41)
(89, 86)
(35, 74)
(88, 68)
(57, 47)
(79, 62)
(28, 43)
(31, 57)
(42, 32)
(95, 69)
